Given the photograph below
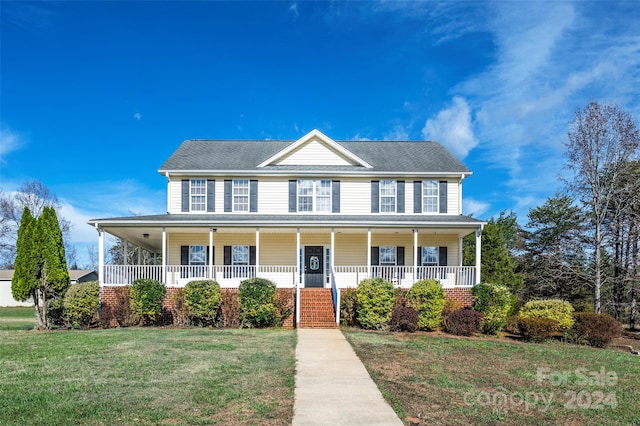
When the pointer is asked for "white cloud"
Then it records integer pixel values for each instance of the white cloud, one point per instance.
(293, 9)
(453, 128)
(474, 207)
(137, 116)
(9, 141)
(399, 133)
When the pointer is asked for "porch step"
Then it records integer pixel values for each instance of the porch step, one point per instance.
(316, 308)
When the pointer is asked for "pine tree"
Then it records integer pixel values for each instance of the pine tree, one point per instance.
(497, 265)
(25, 279)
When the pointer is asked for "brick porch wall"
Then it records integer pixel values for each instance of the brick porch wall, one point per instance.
(108, 297)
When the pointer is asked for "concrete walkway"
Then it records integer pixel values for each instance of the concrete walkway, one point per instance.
(332, 385)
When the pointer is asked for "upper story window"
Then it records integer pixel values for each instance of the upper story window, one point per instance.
(387, 196)
(314, 195)
(198, 191)
(430, 196)
(241, 195)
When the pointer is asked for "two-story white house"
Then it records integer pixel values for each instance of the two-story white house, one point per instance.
(311, 213)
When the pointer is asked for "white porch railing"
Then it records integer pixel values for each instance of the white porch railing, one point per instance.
(285, 276)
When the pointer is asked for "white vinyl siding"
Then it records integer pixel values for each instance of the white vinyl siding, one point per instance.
(314, 154)
(355, 196)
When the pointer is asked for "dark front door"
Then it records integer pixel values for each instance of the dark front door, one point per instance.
(313, 266)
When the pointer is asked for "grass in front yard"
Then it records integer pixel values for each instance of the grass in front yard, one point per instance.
(17, 318)
(147, 376)
(448, 380)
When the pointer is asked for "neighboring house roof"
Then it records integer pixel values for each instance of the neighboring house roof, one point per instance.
(74, 274)
(419, 157)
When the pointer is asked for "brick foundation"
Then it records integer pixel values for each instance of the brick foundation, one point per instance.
(109, 297)
(460, 295)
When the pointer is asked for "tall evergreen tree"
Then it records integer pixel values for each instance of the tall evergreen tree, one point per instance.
(25, 279)
(497, 264)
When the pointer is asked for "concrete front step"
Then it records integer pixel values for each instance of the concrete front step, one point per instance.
(316, 308)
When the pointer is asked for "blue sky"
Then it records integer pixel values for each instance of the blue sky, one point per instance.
(95, 96)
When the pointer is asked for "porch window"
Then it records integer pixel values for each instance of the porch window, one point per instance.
(430, 256)
(241, 195)
(198, 190)
(387, 256)
(197, 261)
(240, 256)
(387, 196)
(314, 195)
(430, 196)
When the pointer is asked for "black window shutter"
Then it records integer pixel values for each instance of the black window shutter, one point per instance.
(417, 196)
(375, 196)
(400, 200)
(419, 254)
(211, 195)
(252, 255)
(442, 256)
(184, 255)
(185, 195)
(375, 256)
(335, 196)
(227, 255)
(253, 196)
(228, 187)
(213, 253)
(293, 196)
(443, 196)
(400, 256)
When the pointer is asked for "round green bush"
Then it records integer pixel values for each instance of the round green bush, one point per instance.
(81, 303)
(257, 302)
(427, 297)
(595, 329)
(146, 297)
(375, 302)
(202, 301)
(558, 310)
(494, 301)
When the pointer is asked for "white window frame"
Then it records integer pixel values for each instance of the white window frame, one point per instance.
(424, 256)
(386, 185)
(385, 251)
(426, 185)
(240, 200)
(197, 257)
(198, 195)
(315, 195)
(237, 250)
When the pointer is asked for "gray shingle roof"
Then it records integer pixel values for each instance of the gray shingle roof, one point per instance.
(384, 156)
(214, 219)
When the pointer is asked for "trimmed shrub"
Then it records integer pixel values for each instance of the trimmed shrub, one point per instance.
(230, 309)
(536, 329)
(375, 303)
(494, 301)
(284, 306)
(427, 297)
(177, 307)
(81, 304)
(256, 298)
(202, 300)
(349, 307)
(403, 318)
(462, 322)
(558, 310)
(146, 297)
(595, 329)
(450, 306)
(55, 311)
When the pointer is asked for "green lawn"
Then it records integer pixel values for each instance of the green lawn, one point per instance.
(17, 318)
(146, 376)
(448, 381)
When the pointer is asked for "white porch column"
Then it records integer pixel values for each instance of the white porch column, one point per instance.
(416, 255)
(331, 256)
(257, 249)
(369, 252)
(298, 266)
(100, 256)
(211, 231)
(164, 255)
(460, 243)
(478, 253)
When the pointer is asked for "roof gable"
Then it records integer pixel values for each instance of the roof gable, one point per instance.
(314, 149)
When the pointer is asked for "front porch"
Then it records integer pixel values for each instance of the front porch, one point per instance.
(288, 276)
